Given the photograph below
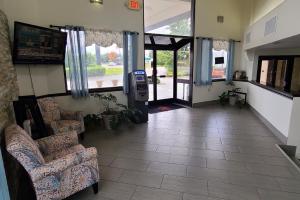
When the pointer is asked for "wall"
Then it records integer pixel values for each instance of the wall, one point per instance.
(1, 4)
(286, 13)
(206, 19)
(8, 93)
(261, 8)
(273, 107)
(206, 26)
(294, 135)
(88, 105)
(50, 79)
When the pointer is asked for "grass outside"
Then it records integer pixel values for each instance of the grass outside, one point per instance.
(98, 70)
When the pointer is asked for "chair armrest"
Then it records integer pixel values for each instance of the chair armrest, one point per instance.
(62, 164)
(27, 126)
(51, 126)
(71, 115)
(56, 142)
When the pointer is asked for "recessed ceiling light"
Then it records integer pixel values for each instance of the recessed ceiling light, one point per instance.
(97, 1)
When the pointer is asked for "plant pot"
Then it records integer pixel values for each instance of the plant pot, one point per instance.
(115, 83)
(107, 121)
(233, 100)
(99, 84)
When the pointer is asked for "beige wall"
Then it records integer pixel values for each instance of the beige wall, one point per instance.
(233, 27)
(262, 7)
(206, 19)
(113, 15)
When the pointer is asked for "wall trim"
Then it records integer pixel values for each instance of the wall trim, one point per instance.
(270, 126)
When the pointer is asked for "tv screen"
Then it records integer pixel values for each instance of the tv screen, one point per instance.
(38, 45)
(219, 60)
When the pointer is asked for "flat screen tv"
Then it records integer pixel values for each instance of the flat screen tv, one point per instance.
(219, 60)
(38, 45)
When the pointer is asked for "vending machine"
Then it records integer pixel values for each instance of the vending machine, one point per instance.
(139, 94)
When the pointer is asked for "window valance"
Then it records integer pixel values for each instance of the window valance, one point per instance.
(219, 45)
(103, 38)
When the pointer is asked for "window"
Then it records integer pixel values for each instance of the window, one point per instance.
(280, 72)
(104, 66)
(104, 60)
(160, 17)
(220, 53)
(295, 85)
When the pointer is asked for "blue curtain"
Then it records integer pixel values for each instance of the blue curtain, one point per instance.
(204, 62)
(229, 71)
(4, 194)
(76, 61)
(130, 54)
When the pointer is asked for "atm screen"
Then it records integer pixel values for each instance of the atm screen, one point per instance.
(139, 72)
(140, 78)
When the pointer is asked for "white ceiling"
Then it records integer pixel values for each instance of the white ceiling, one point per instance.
(158, 11)
(288, 43)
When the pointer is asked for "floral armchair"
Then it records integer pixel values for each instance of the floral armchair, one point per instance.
(57, 165)
(58, 120)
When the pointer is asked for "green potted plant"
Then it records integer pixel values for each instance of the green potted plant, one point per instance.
(224, 98)
(92, 120)
(114, 113)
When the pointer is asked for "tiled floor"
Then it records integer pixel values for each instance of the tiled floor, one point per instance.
(209, 153)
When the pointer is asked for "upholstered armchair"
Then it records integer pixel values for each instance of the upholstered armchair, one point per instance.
(57, 165)
(58, 120)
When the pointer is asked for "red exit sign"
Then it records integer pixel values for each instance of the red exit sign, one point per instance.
(134, 5)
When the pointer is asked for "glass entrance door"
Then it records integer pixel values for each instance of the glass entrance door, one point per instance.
(183, 73)
(168, 63)
(164, 74)
(159, 67)
(149, 61)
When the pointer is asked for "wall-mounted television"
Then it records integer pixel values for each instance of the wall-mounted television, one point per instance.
(38, 45)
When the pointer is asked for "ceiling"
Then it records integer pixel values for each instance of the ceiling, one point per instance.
(288, 43)
(159, 13)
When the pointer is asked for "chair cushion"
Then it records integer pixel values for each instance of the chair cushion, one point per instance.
(69, 125)
(50, 109)
(22, 147)
(64, 152)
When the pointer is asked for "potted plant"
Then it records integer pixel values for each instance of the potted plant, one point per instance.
(114, 113)
(99, 83)
(115, 83)
(233, 96)
(92, 120)
(224, 98)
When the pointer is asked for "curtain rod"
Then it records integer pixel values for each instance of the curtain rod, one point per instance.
(62, 27)
(216, 39)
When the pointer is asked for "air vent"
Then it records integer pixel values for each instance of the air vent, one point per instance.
(248, 38)
(220, 19)
(271, 26)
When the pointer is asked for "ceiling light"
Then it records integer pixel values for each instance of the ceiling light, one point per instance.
(97, 1)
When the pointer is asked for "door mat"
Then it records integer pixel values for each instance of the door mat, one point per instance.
(163, 108)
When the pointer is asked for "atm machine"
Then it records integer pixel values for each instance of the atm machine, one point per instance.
(139, 93)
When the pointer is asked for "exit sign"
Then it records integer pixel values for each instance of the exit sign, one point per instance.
(134, 5)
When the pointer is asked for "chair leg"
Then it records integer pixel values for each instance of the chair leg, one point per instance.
(81, 135)
(95, 188)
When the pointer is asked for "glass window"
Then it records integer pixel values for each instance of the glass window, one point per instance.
(280, 72)
(171, 17)
(183, 72)
(295, 85)
(220, 53)
(104, 66)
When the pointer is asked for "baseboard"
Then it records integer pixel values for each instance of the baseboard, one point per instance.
(272, 128)
(206, 103)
